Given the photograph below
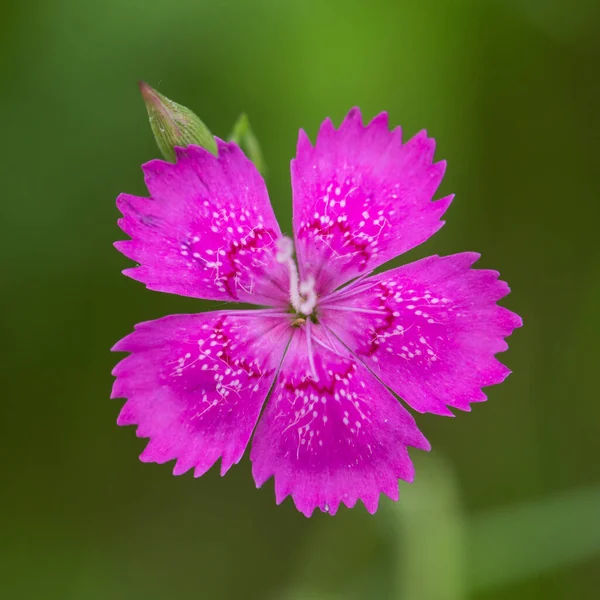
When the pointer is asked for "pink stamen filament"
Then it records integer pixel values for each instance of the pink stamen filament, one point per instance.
(261, 313)
(350, 294)
(356, 287)
(355, 310)
(309, 350)
(326, 346)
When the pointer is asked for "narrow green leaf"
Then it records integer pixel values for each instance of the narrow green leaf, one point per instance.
(514, 543)
(244, 137)
(174, 124)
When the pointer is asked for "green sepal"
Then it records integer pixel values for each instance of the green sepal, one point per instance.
(244, 137)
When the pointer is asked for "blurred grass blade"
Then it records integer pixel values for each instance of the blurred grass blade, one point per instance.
(516, 543)
(340, 558)
(428, 536)
(244, 137)
(174, 124)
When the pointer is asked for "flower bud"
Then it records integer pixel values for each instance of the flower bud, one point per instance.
(174, 124)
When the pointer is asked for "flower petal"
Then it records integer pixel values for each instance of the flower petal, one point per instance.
(208, 231)
(339, 439)
(196, 383)
(429, 330)
(361, 197)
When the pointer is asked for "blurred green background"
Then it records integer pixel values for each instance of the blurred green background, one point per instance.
(507, 505)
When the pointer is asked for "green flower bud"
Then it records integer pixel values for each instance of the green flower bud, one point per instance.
(174, 124)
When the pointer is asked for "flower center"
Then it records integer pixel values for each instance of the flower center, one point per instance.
(302, 293)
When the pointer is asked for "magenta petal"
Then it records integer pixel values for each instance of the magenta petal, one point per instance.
(208, 231)
(361, 198)
(195, 384)
(339, 439)
(429, 330)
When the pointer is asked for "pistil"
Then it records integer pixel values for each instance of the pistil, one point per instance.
(303, 296)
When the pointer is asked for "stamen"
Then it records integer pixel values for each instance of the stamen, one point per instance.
(311, 358)
(326, 346)
(331, 339)
(355, 287)
(261, 313)
(356, 310)
(337, 296)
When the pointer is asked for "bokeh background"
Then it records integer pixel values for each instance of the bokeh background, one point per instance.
(507, 505)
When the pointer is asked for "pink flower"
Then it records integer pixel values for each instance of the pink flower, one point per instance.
(326, 356)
